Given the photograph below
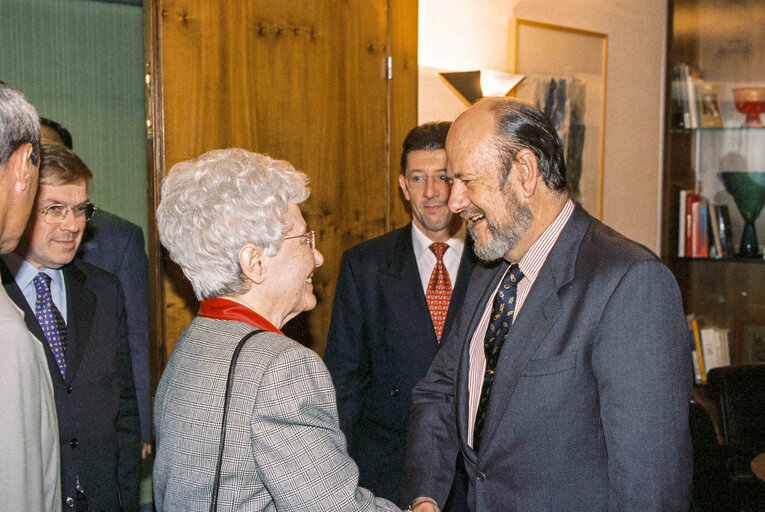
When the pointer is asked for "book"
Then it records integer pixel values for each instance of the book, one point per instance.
(715, 231)
(681, 222)
(723, 226)
(699, 229)
(690, 197)
(679, 92)
(693, 114)
(710, 345)
(703, 235)
(694, 323)
(715, 343)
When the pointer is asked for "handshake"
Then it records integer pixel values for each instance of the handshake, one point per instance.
(423, 504)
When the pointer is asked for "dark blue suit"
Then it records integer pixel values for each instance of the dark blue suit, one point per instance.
(381, 342)
(96, 405)
(589, 405)
(116, 245)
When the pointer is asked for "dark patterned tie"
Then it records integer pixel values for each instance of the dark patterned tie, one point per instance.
(499, 325)
(439, 292)
(51, 321)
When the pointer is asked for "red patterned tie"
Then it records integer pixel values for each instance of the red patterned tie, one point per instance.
(439, 290)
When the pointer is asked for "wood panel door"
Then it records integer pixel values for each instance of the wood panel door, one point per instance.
(304, 81)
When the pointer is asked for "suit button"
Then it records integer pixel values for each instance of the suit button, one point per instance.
(70, 501)
(480, 477)
(73, 443)
(69, 388)
(394, 392)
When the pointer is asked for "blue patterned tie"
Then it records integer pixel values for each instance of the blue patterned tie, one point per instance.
(499, 325)
(50, 320)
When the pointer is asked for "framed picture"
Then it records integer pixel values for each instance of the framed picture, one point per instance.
(565, 72)
(750, 341)
(709, 105)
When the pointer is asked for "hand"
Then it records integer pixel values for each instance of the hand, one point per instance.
(145, 450)
(423, 504)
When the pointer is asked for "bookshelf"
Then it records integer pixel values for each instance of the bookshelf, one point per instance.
(718, 43)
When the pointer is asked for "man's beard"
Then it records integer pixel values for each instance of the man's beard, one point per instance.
(504, 235)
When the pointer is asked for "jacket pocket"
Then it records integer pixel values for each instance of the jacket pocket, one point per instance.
(550, 366)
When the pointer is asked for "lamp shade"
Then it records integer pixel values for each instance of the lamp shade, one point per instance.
(474, 85)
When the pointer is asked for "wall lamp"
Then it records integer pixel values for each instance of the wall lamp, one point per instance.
(474, 85)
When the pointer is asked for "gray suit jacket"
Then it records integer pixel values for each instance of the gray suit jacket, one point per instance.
(589, 406)
(284, 448)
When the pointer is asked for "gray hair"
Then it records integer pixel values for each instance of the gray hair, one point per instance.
(215, 204)
(19, 124)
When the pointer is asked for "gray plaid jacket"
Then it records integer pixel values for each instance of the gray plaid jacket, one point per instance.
(284, 448)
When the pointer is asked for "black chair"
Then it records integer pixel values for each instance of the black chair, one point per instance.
(740, 395)
(710, 492)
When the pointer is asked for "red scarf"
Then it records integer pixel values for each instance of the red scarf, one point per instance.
(225, 309)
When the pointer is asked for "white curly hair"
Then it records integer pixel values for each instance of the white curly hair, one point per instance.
(215, 204)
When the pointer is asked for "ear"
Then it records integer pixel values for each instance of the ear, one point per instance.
(22, 172)
(253, 263)
(402, 184)
(528, 171)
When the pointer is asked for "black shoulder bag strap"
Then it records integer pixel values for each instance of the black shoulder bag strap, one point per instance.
(227, 399)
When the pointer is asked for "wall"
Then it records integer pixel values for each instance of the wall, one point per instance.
(80, 63)
(462, 35)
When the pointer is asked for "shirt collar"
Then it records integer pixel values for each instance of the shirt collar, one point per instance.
(24, 272)
(421, 242)
(531, 262)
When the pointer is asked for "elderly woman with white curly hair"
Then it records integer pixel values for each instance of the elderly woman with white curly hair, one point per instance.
(231, 220)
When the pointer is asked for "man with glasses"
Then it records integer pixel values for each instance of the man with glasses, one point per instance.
(395, 300)
(78, 310)
(116, 245)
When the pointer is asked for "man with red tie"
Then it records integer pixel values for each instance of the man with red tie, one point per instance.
(395, 300)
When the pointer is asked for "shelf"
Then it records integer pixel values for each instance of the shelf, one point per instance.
(732, 259)
(718, 129)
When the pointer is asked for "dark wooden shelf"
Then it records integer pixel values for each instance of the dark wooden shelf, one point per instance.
(731, 259)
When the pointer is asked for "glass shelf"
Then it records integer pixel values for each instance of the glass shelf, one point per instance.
(718, 129)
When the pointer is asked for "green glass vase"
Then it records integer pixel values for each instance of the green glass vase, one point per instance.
(748, 191)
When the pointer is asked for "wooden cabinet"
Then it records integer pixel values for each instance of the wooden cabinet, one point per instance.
(300, 80)
(722, 42)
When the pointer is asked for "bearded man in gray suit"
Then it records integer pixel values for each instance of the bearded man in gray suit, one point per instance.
(567, 389)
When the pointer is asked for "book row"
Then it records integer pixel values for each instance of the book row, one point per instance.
(696, 103)
(711, 347)
(704, 228)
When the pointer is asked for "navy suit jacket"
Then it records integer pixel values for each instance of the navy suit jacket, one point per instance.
(589, 406)
(381, 342)
(96, 405)
(116, 245)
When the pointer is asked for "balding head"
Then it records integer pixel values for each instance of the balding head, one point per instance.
(511, 125)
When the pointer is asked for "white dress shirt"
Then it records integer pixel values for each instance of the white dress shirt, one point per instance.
(426, 260)
(530, 265)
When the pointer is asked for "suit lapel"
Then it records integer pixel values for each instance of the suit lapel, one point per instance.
(14, 292)
(539, 313)
(400, 278)
(81, 306)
